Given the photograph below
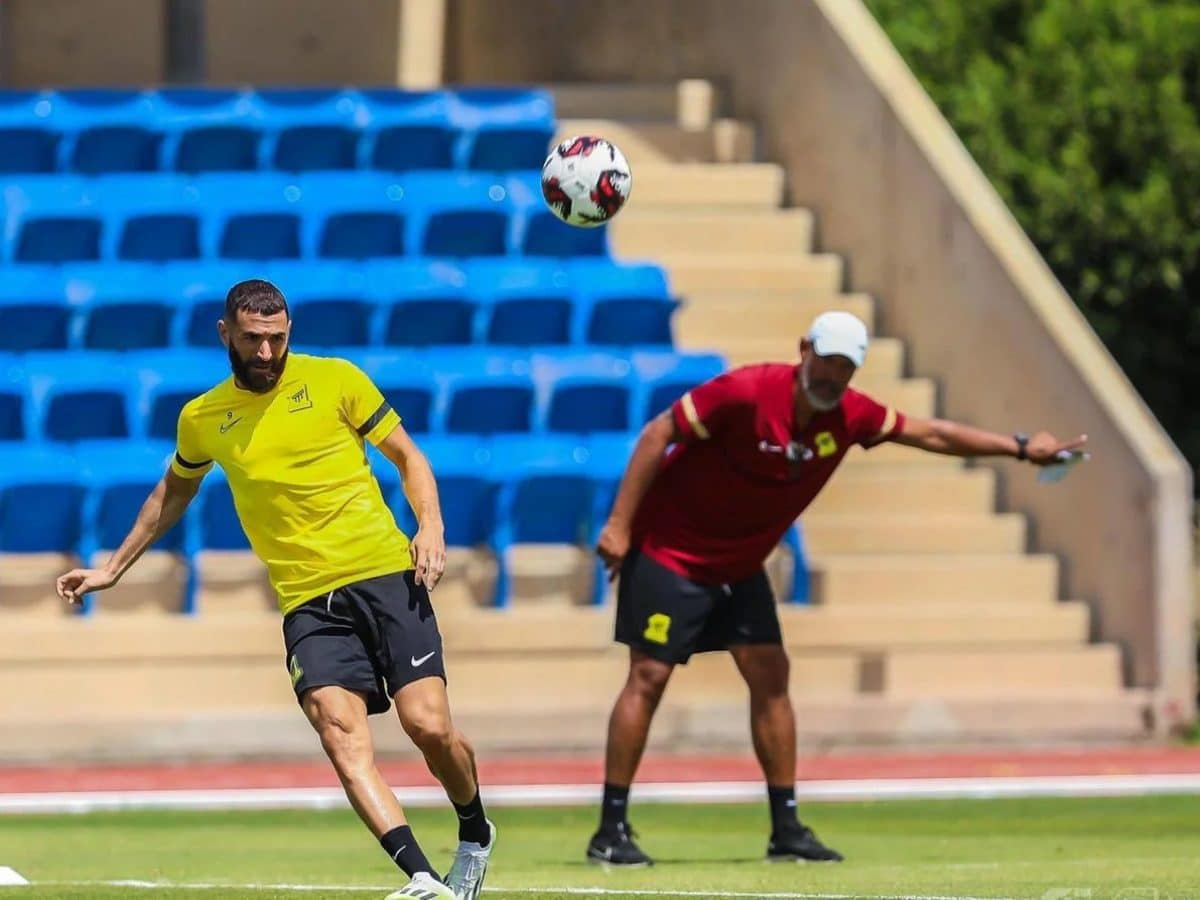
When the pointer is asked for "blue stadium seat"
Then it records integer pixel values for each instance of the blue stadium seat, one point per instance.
(484, 391)
(27, 142)
(34, 313)
(208, 129)
(407, 384)
(406, 130)
(508, 148)
(51, 220)
(622, 305)
(582, 393)
(525, 302)
(78, 395)
(548, 494)
(119, 476)
(308, 129)
(250, 216)
(361, 234)
(107, 130)
(12, 399)
(459, 215)
(159, 237)
(420, 303)
(665, 377)
(546, 235)
(167, 380)
(329, 319)
(118, 307)
(41, 500)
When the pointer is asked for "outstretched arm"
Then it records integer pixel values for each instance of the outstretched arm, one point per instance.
(956, 439)
(162, 509)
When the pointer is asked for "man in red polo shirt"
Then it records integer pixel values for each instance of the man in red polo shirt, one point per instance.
(688, 536)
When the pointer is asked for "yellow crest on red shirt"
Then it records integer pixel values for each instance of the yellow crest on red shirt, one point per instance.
(826, 444)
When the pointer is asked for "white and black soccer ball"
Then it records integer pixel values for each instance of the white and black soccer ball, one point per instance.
(586, 181)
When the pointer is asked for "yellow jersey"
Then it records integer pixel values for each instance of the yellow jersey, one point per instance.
(297, 467)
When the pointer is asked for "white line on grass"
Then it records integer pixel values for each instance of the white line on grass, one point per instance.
(581, 794)
(571, 891)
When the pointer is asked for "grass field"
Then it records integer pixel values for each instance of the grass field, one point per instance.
(1143, 848)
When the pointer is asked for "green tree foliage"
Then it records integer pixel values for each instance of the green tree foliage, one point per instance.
(1084, 114)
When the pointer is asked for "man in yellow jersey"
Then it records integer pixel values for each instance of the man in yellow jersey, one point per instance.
(289, 432)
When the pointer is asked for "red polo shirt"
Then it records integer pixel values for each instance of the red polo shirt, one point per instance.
(724, 498)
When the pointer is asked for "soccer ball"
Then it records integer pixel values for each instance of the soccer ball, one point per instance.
(586, 181)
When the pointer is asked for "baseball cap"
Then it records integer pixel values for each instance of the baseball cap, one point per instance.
(839, 334)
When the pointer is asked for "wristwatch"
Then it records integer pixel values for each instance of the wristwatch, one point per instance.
(1022, 443)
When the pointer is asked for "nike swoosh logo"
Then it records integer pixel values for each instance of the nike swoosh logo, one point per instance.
(228, 425)
(424, 659)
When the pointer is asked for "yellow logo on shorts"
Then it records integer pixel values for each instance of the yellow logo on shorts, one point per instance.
(657, 627)
(295, 670)
(826, 444)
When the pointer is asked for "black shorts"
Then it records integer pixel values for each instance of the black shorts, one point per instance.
(669, 618)
(373, 636)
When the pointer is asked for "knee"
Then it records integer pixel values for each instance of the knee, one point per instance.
(344, 739)
(431, 730)
(768, 675)
(648, 680)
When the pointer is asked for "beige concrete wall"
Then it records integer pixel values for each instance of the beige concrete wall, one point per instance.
(302, 41)
(896, 192)
(83, 42)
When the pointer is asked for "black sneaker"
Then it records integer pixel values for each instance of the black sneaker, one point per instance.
(615, 847)
(797, 843)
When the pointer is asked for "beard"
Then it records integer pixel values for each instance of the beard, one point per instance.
(822, 395)
(253, 375)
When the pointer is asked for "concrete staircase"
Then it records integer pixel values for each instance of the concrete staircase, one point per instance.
(931, 619)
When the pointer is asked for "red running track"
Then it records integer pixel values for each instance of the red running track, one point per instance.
(569, 770)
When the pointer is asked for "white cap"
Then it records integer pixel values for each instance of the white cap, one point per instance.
(839, 334)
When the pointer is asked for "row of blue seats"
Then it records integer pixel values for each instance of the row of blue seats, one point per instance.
(494, 493)
(119, 306)
(75, 396)
(56, 220)
(196, 130)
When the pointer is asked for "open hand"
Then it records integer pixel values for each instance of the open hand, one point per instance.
(1043, 447)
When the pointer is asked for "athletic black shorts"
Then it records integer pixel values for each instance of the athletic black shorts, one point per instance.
(373, 636)
(669, 618)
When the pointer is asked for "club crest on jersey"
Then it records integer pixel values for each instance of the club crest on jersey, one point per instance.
(826, 444)
(299, 399)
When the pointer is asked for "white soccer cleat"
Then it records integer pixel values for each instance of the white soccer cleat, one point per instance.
(423, 887)
(470, 865)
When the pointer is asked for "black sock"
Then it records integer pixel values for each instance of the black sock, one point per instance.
(613, 807)
(472, 823)
(783, 806)
(405, 852)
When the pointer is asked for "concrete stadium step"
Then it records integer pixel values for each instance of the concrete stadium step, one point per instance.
(649, 233)
(666, 142)
(871, 629)
(894, 455)
(744, 186)
(908, 491)
(943, 578)
(627, 101)
(280, 732)
(704, 321)
(885, 358)
(819, 274)
(872, 534)
(1063, 671)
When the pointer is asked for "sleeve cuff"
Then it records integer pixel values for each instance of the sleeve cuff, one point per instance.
(380, 425)
(190, 470)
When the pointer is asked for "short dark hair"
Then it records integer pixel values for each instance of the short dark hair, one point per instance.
(254, 296)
